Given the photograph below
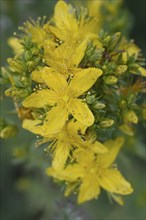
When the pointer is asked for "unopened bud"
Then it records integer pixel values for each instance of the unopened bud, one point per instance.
(8, 131)
(142, 71)
(130, 116)
(121, 69)
(110, 80)
(106, 123)
(15, 66)
(123, 104)
(99, 105)
(127, 129)
(107, 39)
(90, 99)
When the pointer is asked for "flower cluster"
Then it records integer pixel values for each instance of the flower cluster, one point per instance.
(76, 86)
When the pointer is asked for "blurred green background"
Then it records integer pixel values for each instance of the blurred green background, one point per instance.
(26, 193)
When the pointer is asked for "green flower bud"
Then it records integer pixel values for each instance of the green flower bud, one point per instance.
(98, 105)
(107, 39)
(121, 69)
(110, 80)
(127, 129)
(15, 65)
(123, 104)
(90, 99)
(106, 123)
(27, 56)
(130, 116)
(8, 131)
(17, 93)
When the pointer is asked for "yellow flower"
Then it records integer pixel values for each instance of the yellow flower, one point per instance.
(63, 97)
(68, 28)
(34, 29)
(65, 58)
(64, 141)
(94, 172)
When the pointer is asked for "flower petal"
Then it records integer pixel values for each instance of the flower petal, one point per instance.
(73, 127)
(33, 126)
(98, 147)
(60, 156)
(37, 76)
(113, 181)
(61, 11)
(83, 81)
(54, 80)
(79, 53)
(89, 189)
(72, 172)
(81, 112)
(113, 147)
(40, 98)
(55, 119)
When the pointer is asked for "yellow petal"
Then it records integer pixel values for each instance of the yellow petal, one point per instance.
(36, 76)
(50, 171)
(83, 81)
(81, 112)
(54, 80)
(33, 126)
(143, 71)
(113, 147)
(70, 174)
(57, 32)
(79, 53)
(99, 148)
(55, 119)
(73, 172)
(112, 181)
(60, 155)
(89, 189)
(74, 127)
(40, 98)
(61, 9)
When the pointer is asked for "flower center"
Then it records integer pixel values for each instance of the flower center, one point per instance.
(65, 98)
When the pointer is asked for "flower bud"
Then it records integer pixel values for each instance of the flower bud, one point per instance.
(99, 105)
(130, 116)
(142, 71)
(106, 123)
(90, 99)
(121, 69)
(110, 80)
(15, 65)
(8, 131)
(127, 129)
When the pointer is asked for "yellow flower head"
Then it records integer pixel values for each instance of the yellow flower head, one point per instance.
(63, 97)
(67, 27)
(95, 172)
(35, 30)
(65, 58)
(64, 141)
